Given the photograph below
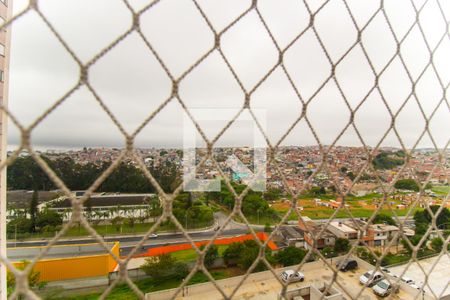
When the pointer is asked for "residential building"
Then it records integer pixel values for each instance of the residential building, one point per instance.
(313, 231)
(341, 230)
(376, 235)
(292, 236)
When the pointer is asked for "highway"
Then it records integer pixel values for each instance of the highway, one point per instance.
(128, 242)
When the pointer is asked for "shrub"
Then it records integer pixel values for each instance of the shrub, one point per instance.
(407, 184)
(158, 266)
(341, 245)
(211, 255)
(290, 256)
(437, 244)
(33, 278)
(328, 252)
(232, 253)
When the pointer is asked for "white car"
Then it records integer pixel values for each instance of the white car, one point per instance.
(153, 236)
(386, 271)
(407, 280)
(370, 278)
(383, 288)
(291, 276)
(416, 286)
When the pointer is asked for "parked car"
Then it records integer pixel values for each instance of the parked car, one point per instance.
(383, 288)
(349, 264)
(416, 286)
(407, 280)
(153, 236)
(291, 276)
(370, 278)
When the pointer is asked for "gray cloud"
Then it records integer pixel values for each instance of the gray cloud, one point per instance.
(132, 84)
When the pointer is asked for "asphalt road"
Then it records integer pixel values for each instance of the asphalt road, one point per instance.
(127, 243)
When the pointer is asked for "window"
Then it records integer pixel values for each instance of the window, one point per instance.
(1, 75)
(2, 50)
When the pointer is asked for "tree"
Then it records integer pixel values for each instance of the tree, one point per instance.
(117, 222)
(33, 278)
(407, 184)
(231, 254)
(248, 255)
(366, 255)
(341, 245)
(272, 194)
(385, 160)
(180, 270)
(21, 224)
(131, 221)
(290, 256)
(414, 241)
(211, 255)
(158, 266)
(422, 218)
(315, 190)
(383, 218)
(26, 174)
(244, 254)
(351, 175)
(328, 252)
(88, 205)
(49, 218)
(163, 267)
(34, 209)
(437, 244)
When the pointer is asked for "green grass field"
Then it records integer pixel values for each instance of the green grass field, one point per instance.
(356, 212)
(441, 189)
(191, 255)
(148, 285)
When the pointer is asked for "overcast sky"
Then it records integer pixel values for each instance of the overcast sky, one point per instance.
(132, 83)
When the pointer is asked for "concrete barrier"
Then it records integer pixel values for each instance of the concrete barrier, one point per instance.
(229, 283)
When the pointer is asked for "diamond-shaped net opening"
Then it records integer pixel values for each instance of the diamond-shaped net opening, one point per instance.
(325, 67)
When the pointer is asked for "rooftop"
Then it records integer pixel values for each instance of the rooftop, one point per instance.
(342, 227)
(108, 200)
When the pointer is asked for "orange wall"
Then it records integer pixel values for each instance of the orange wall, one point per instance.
(262, 236)
(76, 267)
